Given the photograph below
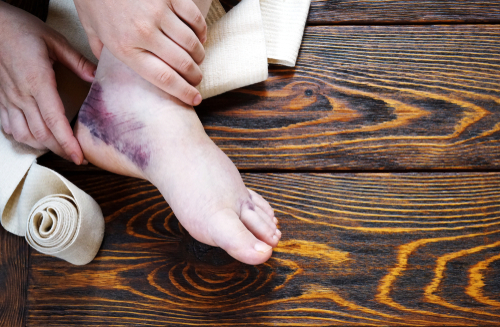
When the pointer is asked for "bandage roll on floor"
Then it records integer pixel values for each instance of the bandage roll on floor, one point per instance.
(55, 216)
(59, 219)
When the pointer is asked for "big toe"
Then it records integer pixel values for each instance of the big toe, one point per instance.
(228, 232)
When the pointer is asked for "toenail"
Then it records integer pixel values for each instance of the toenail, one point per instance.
(262, 247)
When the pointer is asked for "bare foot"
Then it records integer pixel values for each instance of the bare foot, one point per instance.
(130, 127)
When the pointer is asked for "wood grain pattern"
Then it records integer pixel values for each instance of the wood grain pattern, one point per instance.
(366, 12)
(14, 265)
(368, 98)
(379, 97)
(398, 11)
(358, 249)
(403, 12)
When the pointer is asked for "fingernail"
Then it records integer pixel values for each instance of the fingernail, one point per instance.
(262, 247)
(85, 162)
(74, 157)
(275, 237)
(278, 232)
(197, 100)
(204, 40)
(95, 71)
(275, 220)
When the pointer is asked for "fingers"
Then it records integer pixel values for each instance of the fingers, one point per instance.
(27, 126)
(63, 52)
(178, 59)
(156, 72)
(191, 15)
(20, 129)
(40, 131)
(181, 34)
(53, 114)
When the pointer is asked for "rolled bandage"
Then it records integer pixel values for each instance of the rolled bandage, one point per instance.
(250, 36)
(52, 223)
(55, 216)
(56, 227)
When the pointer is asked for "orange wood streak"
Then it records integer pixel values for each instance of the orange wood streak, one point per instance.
(405, 115)
(221, 276)
(320, 274)
(124, 209)
(313, 250)
(372, 229)
(214, 288)
(404, 253)
(375, 207)
(395, 12)
(476, 282)
(130, 223)
(432, 288)
(14, 264)
(404, 112)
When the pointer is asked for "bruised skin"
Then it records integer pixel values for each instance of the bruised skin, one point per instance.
(111, 128)
(130, 127)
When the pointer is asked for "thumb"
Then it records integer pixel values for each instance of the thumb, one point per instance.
(75, 61)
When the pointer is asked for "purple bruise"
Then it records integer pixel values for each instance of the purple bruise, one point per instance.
(114, 130)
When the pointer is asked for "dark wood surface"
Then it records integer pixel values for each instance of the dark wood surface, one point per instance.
(370, 97)
(14, 266)
(368, 12)
(403, 11)
(358, 249)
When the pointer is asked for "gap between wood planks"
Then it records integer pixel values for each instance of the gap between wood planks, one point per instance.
(390, 23)
(372, 171)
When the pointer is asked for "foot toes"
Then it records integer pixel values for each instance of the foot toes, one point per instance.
(260, 225)
(269, 220)
(261, 202)
(229, 233)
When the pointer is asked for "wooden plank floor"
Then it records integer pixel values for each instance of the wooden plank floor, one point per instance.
(378, 249)
(377, 97)
(379, 154)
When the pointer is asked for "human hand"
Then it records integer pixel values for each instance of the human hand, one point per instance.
(30, 107)
(161, 40)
